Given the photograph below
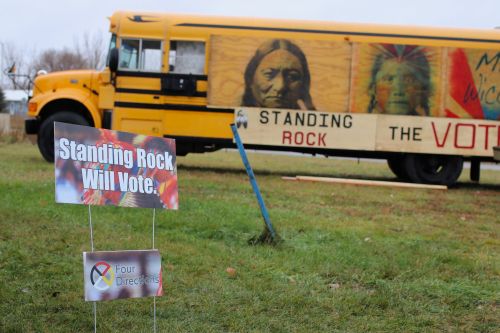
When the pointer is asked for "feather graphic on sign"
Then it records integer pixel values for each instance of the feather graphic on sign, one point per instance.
(465, 102)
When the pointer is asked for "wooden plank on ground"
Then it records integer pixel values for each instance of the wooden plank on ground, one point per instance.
(365, 182)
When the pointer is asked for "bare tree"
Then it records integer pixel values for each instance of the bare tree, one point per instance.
(2, 101)
(53, 60)
(13, 57)
(88, 52)
(92, 48)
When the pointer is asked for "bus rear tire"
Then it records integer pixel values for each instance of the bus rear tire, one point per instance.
(45, 138)
(433, 169)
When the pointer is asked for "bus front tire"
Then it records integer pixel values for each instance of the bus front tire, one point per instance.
(45, 138)
(433, 169)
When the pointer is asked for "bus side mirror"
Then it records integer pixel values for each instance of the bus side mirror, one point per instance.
(113, 60)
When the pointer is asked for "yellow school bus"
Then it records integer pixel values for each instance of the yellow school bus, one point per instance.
(425, 99)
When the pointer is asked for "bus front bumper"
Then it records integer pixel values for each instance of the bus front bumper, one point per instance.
(31, 125)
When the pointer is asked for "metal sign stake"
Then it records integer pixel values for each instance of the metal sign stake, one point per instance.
(154, 297)
(92, 247)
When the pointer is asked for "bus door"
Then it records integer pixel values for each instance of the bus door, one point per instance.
(138, 95)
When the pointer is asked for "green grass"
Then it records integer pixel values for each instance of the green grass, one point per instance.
(354, 259)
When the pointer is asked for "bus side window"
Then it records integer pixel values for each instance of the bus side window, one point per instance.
(112, 45)
(151, 55)
(137, 54)
(129, 54)
(186, 57)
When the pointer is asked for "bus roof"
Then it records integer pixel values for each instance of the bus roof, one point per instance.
(144, 24)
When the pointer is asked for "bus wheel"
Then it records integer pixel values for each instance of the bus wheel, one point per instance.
(396, 164)
(433, 169)
(46, 133)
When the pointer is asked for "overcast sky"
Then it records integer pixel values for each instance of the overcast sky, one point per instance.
(55, 23)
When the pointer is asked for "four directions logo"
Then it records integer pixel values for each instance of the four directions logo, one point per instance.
(102, 276)
(122, 274)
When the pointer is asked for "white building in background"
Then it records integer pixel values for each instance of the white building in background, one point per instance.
(16, 102)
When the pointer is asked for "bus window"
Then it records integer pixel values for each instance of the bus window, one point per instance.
(187, 57)
(138, 54)
(129, 54)
(151, 55)
(112, 45)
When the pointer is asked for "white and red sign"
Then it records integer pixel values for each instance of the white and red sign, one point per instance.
(371, 132)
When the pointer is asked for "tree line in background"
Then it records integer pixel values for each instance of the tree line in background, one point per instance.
(2, 101)
(88, 52)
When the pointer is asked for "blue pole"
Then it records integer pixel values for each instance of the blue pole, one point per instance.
(253, 181)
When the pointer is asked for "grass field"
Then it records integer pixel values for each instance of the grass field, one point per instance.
(354, 259)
